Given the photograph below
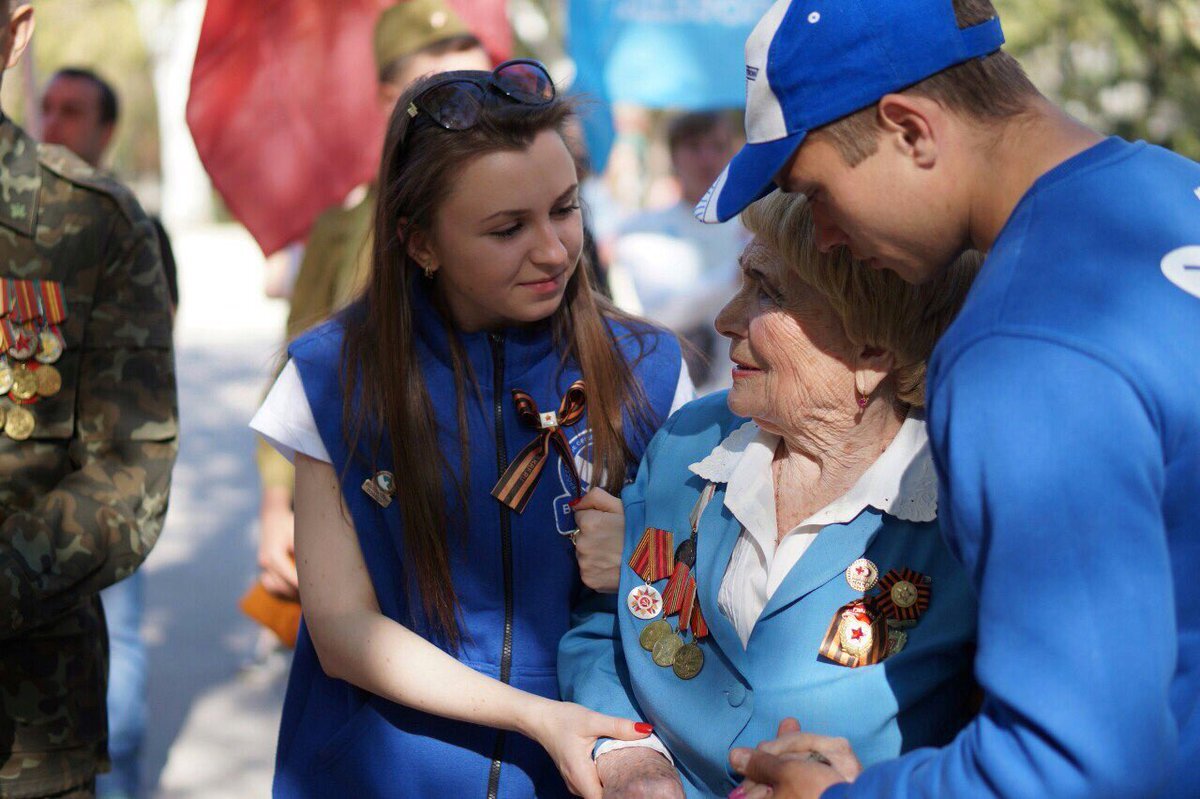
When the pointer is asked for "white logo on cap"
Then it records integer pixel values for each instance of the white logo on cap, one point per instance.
(1198, 192)
(814, 17)
(1182, 267)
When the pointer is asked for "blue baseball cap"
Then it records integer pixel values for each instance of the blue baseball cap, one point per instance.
(812, 62)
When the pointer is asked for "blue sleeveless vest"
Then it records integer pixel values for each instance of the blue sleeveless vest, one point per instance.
(515, 575)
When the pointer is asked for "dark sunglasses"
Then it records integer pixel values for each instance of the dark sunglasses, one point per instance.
(456, 99)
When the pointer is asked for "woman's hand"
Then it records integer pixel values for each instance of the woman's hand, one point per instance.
(638, 773)
(568, 732)
(601, 520)
(795, 765)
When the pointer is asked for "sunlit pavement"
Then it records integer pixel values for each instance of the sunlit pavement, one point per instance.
(214, 709)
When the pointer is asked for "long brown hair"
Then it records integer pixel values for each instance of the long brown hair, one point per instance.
(421, 162)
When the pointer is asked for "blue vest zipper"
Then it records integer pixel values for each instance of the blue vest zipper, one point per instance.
(497, 342)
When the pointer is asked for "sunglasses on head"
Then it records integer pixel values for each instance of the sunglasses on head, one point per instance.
(456, 99)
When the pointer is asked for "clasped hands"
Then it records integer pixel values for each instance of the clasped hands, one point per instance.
(795, 765)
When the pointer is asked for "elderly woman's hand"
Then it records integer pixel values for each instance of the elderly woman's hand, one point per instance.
(638, 773)
(601, 520)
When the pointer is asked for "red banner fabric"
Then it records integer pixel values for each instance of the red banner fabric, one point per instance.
(283, 105)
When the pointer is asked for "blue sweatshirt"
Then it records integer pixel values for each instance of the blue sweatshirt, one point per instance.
(1064, 415)
(514, 574)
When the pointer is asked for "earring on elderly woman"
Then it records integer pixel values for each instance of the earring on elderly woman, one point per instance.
(859, 397)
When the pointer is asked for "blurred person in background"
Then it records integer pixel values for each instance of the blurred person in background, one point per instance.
(80, 112)
(412, 39)
(674, 269)
(89, 440)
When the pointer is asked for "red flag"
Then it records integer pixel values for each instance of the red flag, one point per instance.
(283, 104)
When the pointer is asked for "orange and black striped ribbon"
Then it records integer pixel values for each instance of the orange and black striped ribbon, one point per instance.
(884, 605)
(654, 556)
(516, 485)
(53, 305)
(7, 335)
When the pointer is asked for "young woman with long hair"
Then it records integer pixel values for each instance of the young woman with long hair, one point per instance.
(441, 427)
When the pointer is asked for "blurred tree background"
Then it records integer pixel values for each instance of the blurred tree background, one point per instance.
(1130, 67)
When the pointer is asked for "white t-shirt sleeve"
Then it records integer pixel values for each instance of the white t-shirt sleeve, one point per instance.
(286, 421)
(685, 390)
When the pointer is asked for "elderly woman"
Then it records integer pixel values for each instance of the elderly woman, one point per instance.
(782, 555)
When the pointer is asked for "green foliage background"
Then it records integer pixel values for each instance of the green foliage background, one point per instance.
(1129, 67)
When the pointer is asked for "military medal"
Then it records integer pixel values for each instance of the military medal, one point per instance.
(50, 345)
(903, 595)
(49, 381)
(22, 342)
(24, 385)
(6, 377)
(854, 637)
(855, 631)
(666, 648)
(19, 424)
(3, 414)
(689, 660)
(895, 641)
(652, 560)
(644, 602)
(653, 632)
(862, 575)
(381, 487)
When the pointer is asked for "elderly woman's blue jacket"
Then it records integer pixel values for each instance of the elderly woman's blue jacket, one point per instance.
(514, 574)
(917, 697)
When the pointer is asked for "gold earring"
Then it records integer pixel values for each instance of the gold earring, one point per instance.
(428, 270)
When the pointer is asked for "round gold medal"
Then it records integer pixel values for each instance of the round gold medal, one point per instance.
(654, 632)
(688, 661)
(19, 424)
(49, 381)
(904, 594)
(666, 648)
(50, 349)
(24, 385)
(6, 377)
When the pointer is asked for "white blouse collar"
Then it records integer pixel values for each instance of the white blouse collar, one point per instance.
(902, 482)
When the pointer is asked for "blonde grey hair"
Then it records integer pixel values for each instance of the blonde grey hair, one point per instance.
(876, 307)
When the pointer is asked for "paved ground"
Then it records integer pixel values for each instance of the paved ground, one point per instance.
(213, 713)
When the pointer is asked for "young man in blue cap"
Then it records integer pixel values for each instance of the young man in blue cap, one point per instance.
(1063, 410)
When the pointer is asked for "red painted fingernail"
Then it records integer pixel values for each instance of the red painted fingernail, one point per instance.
(737, 793)
(642, 726)
(573, 502)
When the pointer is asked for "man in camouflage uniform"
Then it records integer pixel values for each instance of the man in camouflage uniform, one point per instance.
(87, 446)
(412, 39)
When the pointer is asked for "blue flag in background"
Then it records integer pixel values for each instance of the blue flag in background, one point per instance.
(685, 54)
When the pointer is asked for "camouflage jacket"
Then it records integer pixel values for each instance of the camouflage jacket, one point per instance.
(82, 499)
